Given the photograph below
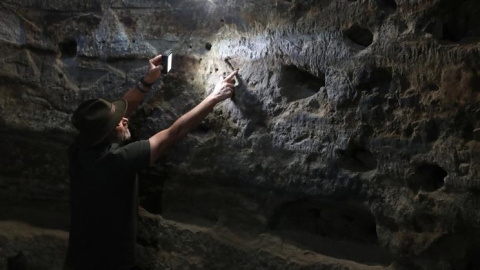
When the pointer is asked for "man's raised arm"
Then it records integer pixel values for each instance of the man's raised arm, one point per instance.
(136, 93)
(165, 138)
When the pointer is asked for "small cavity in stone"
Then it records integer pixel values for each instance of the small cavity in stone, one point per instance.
(68, 48)
(357, 158)
(358, 35)
(388, 4)
(298, 84)
(208, 46)
(427, 177)
(432, 87)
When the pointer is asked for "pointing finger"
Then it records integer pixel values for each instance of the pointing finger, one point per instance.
(229, 77)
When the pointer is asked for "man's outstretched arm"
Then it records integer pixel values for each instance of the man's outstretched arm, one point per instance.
(135, 94)
(165, 138)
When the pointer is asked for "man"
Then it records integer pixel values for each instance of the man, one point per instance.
(103, 172)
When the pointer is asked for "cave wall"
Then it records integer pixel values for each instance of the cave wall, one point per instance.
(351, 143)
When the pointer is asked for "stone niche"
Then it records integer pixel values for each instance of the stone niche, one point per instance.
(352, 141)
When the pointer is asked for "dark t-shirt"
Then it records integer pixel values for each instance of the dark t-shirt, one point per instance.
(104, 204)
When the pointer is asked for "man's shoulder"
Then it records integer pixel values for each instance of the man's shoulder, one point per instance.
(116, 148)
(130, 150)
(132, 154)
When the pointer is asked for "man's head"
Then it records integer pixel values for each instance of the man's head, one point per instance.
(121, 132)
(96, 119)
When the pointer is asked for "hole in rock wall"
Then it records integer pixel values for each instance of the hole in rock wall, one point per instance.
(297, 84)
(330, 228)
(431, 87)
(387, 4)
(357, 158)
(128, 22)
(359, 36)
(453, 31)
(208, 46)
(427, 177)
(456, 21)
(370, 78)
(68, 48)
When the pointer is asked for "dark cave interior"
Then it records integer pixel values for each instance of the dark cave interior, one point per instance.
(352, 141)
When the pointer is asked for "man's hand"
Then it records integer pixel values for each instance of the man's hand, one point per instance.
(154, 69)
(224, 88)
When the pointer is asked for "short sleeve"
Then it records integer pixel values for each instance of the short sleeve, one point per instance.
(133, 156)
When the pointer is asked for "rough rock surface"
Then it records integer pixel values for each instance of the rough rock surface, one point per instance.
(353, 141)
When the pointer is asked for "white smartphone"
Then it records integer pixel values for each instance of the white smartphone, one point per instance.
(167, 61)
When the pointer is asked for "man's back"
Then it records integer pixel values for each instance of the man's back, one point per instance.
(104, 194)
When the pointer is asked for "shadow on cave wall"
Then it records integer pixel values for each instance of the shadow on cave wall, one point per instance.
(335, 229)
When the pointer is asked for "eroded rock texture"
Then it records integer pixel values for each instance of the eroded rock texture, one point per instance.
(351, 143)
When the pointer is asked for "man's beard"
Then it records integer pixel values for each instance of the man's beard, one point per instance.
(121, 136)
